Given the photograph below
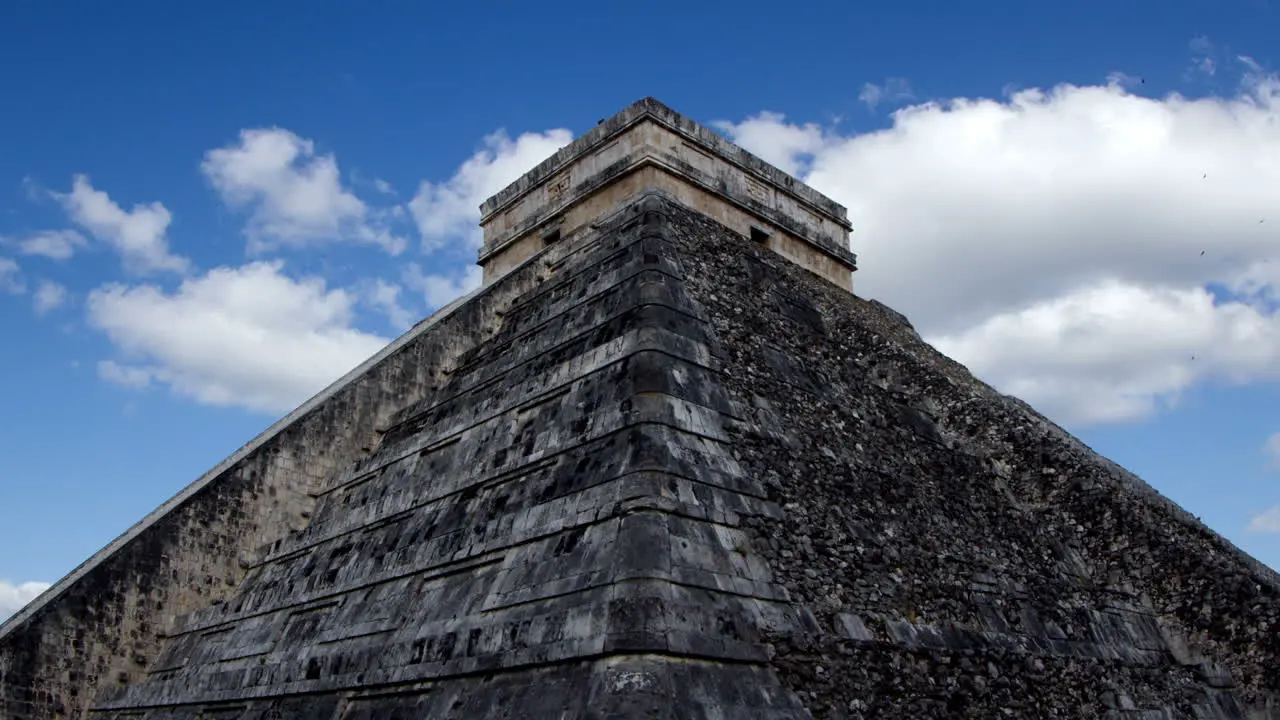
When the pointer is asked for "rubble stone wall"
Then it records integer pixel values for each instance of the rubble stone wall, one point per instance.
(964, 556)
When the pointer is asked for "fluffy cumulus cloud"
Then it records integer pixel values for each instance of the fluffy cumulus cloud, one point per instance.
(1089, 249)
(1122, 348)
(254, 337)
(14, 597)
(138, 234)
(449, 211)
(294, 196)
(249, 336)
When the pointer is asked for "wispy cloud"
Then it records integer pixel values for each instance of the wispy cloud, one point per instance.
(11, 277)
(892, 91)
(48, 296)
(438, 289)
(1119, 79)
(1267, 522)
(1202, 56)
(124, 375)
(1272, 449)
(52, 244)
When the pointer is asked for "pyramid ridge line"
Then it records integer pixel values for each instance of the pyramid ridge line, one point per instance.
(205, 479)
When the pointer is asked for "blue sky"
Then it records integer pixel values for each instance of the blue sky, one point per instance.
(204, 217)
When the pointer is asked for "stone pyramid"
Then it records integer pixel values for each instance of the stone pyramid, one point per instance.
(664, 464)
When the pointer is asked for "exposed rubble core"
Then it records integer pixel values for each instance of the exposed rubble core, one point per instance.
(963, 556)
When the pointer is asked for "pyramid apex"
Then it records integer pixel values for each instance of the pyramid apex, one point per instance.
(649, 146)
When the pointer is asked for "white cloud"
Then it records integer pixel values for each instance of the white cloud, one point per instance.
(53, 244)
(1124, 80)
(296, 196)
(1202, 60)
(124, 375)
(1257, 82)
(440, 289)
(138, 235)
(894, 90)
(1117, 351)
(449, 211)
(247, 336)
(1063, 228)
(11, 277)
(14, 597)
(48, 296)
(1272, 448)
(386, 297)
(1267, 522)
(1200, 45)
(787, 147)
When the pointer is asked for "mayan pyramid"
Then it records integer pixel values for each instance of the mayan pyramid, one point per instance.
(664, 464)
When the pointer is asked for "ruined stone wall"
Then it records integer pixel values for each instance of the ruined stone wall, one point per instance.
(964, 557)
(687, 478)
(103, 626)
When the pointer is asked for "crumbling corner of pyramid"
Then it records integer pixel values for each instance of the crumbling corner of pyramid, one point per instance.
(104, 624)
(561, 518)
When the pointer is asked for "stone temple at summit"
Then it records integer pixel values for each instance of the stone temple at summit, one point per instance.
(665, 463)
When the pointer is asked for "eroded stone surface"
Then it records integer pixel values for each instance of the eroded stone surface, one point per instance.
(567, 493)
(103, 625)
(963, 556)
(681, 477)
